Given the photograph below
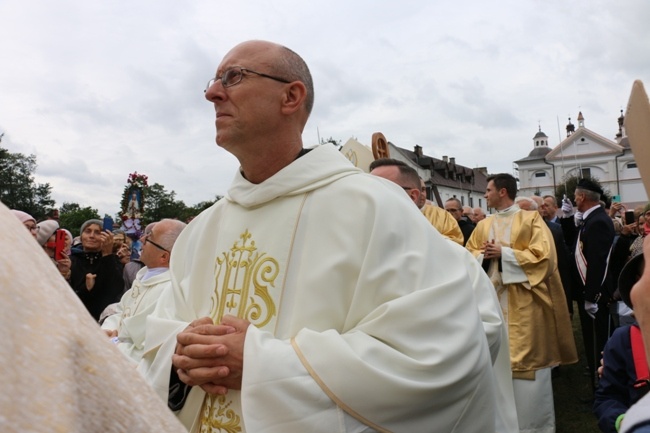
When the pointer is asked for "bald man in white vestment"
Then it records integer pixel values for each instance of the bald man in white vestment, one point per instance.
(59, 372)
(363, 318)
(128, 325)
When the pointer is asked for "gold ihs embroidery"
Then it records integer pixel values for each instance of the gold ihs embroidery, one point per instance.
(243, 277)
(218, 417)
(242, 281)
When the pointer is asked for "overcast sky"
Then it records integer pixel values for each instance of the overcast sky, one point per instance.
(97, 89)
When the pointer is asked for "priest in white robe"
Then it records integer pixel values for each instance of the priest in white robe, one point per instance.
(363, 318)
(127, 326)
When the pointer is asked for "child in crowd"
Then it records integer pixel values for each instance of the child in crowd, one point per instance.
(625, 376)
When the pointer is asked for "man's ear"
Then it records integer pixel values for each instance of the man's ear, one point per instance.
(293, 97)
(165, 257)
(415, 195)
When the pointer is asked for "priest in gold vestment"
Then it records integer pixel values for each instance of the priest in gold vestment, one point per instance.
(313, 297)
(400, 173)
(516, 249)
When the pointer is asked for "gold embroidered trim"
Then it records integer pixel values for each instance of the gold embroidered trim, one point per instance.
(217, 417)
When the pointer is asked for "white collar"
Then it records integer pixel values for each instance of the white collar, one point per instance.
(589, 211)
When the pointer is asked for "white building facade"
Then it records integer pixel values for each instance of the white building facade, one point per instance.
(583, 153)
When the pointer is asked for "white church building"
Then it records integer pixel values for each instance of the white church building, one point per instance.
(583, 153)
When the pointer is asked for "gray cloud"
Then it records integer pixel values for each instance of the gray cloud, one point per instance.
(99, 90)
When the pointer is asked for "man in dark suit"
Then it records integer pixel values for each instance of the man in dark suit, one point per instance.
(563, 255)
(551, 208)
(593, 232)
(455, 208)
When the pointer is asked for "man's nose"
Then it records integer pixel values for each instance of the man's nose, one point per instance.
(215, 92)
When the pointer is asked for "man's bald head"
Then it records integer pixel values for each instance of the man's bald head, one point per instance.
(280, 61)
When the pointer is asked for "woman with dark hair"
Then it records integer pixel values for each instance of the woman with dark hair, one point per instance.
(96, 271)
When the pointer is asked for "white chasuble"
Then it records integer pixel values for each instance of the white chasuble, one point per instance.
(136, 305)
(249, 274)
(364, 319)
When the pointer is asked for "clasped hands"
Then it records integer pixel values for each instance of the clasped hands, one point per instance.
(491, 250)
(211, 356)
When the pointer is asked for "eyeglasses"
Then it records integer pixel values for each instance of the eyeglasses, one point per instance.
(453, 210)
(234, 75)
(147, 240)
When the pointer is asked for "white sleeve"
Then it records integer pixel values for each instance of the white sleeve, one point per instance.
(511, 273)
(278, 392)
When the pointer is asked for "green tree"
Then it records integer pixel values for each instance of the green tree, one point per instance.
(569, 184)
(72, 216)
(159, 204)
(18, 190)
(200, 207)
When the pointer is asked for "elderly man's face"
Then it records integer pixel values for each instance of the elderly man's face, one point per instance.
(579, 198)
(543, 210)
(551, 208)
(454, 209)
(246, 111)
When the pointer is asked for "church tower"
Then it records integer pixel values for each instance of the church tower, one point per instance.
(540, 139)
(621, 128)
(570, 128)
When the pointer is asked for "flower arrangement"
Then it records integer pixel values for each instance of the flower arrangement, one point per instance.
(137, 180)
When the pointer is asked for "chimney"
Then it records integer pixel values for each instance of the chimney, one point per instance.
(452, 160)
(418, 150)
(444, 158)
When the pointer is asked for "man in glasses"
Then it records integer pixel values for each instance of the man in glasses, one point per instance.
(455, 208)
(401, 174)
(363, 319)
(127, 325)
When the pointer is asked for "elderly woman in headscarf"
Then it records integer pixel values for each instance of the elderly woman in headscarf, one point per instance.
(96, 271)
(28, 221)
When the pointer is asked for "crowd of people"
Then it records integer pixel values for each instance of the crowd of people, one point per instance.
(372, 309)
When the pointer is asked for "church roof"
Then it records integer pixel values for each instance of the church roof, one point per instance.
(448, 173)
(540, 134)
(536, 153)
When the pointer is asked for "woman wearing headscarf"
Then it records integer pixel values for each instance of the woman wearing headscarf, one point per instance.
(96, 271)
(28, 221)
(46, 237)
